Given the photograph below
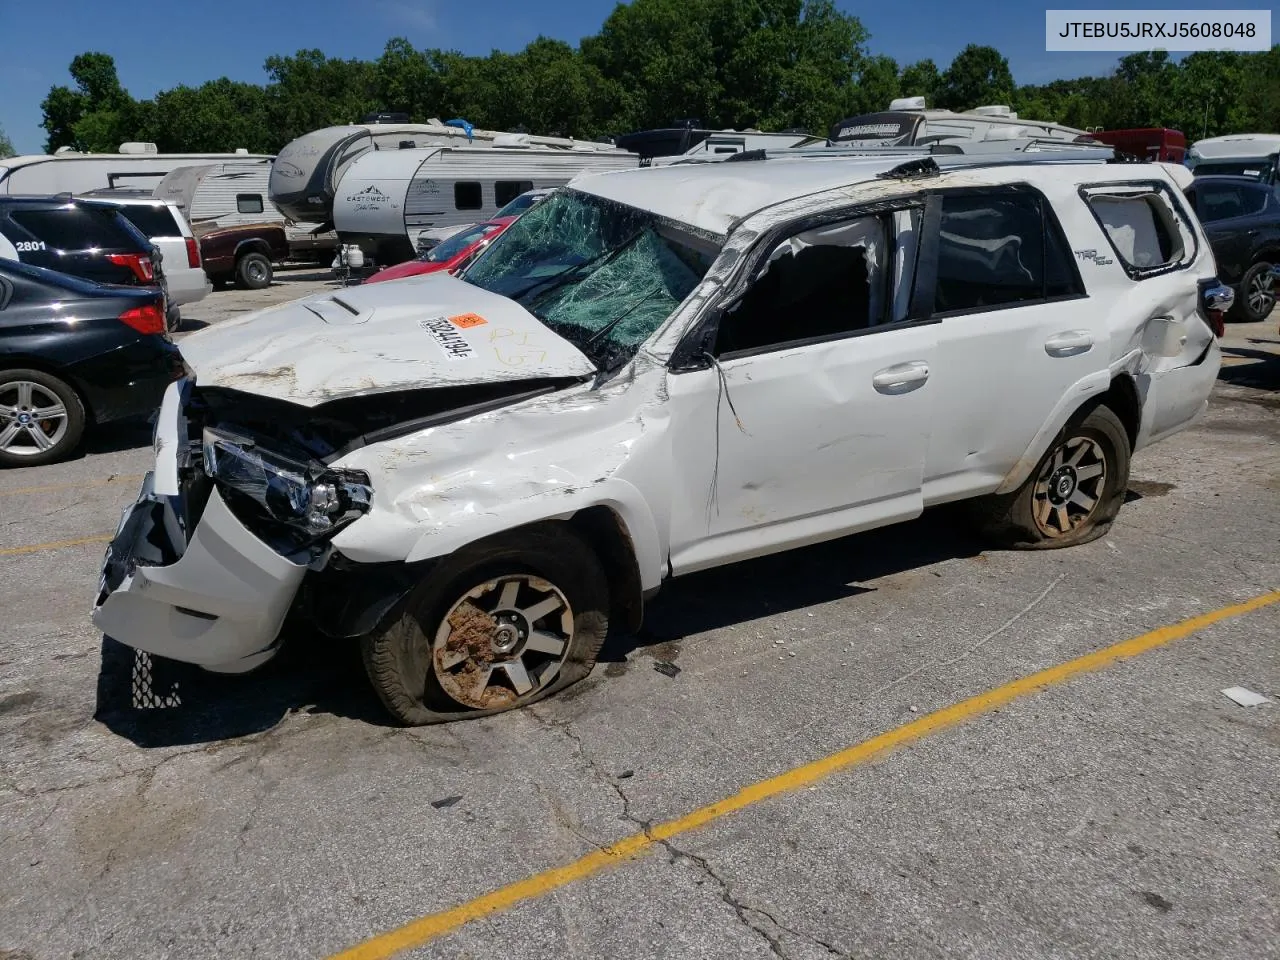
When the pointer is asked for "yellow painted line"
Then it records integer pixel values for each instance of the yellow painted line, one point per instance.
(420, 931)
(54, 545)
(56, 487)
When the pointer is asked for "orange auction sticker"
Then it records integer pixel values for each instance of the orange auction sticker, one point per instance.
(465, 320)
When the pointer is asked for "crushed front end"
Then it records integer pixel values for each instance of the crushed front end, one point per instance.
(205, 565)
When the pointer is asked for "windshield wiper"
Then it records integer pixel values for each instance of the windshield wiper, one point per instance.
(567, 275)
(620, 317)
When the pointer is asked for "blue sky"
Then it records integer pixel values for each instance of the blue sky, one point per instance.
(190, 42)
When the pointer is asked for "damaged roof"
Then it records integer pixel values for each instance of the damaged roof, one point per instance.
(713, 196)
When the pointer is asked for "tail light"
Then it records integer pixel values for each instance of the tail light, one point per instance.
(145, 319)
(193, 253)
(1215, 301)
(141, 265)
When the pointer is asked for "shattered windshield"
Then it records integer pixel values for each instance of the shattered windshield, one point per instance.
(601, 274)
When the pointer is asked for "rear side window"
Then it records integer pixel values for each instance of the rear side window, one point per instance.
(153, 221)
(467, 195)
(1145, 227)
(248, 203)
(997, 250)
(1222, 201)
(504, 191)
(75, 228)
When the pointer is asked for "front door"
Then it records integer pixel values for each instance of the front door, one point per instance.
(810, 419)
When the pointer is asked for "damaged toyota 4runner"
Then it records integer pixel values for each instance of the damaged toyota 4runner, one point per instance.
(651, 373)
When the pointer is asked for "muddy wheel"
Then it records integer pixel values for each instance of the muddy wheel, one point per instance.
(1073, 495)
(496, 626)
(253, 272)
(41, 418)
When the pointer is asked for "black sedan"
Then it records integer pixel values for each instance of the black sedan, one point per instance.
(74, 352)
(1241, 217)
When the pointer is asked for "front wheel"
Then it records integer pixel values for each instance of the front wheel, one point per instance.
(41, 418)
(253, 271)
(496, 626)
(1257, 293)
(1074, 493)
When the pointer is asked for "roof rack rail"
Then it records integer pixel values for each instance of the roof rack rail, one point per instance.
(924, 167)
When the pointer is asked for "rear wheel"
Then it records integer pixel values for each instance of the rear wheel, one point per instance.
(253, 271)
(41, 418)
(1257, 293)
(1074, 493)
(496, 626)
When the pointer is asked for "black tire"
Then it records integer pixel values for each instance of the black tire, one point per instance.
(399, 658)
(220, 281)
(67, 439)
(253, 272)
(1028, 518)
(173, 320)
(1256, 294)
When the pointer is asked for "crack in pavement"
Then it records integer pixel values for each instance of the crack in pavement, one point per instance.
(742, 911)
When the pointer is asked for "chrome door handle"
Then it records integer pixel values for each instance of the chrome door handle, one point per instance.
(901, 377)
(1069, 343)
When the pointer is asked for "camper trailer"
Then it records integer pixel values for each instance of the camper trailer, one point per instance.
(1243, 154)
(670, 144)
(306, 174)
(387, 197)
(232, 193)
(908, 122)
(136, 166)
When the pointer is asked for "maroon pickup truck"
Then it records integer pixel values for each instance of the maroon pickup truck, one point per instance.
(243, 253)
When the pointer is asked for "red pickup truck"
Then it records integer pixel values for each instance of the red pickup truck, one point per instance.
(244, 253)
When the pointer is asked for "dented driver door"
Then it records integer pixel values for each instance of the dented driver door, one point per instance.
(809, 418)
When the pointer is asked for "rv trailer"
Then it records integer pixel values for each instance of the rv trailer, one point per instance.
(230, 194)
(388, 197)
(908, 123)
(136, 166)
(307, 171)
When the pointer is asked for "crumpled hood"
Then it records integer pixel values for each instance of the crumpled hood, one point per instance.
(422, 332)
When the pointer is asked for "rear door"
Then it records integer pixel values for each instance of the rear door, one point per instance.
(1016, 333)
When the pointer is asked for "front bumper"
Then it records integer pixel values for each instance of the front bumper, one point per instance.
(215, 595)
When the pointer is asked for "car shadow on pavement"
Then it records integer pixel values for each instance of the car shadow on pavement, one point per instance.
(782, 582)
(161, 703)
(117, 436)
(1262, 375)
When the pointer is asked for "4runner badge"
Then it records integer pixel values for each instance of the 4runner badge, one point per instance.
(446, 335)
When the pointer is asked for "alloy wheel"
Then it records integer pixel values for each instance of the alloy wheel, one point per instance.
(1069, 486)
(32, 418)
(502, 641)
(1261, 294)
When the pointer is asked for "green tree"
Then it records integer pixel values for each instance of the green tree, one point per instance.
(977, 76)
(921, 79)
(309, 90)
(6, 145)
(218, 117)
(877, 84)
(97, 115)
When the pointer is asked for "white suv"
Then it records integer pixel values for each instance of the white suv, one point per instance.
(651, 373)
(163, 223)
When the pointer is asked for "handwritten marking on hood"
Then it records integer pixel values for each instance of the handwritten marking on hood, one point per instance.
(446, 335)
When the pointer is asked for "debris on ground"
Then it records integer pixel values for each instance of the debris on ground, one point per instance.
(1245, 698)
(446, 802)
(666, 668)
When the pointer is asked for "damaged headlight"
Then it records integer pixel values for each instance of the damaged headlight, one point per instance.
(304, 494)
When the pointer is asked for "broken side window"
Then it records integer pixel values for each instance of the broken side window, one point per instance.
(1144, 224)
(817, 284)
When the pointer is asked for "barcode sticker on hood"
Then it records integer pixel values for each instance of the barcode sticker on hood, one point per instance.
(448, 338)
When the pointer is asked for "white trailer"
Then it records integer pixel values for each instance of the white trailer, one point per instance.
(136, 166)
(389, 197)
(307, 171)
(232, 193)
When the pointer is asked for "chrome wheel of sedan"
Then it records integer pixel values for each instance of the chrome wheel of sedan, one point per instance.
(33, 419)
(502, 640)
(1260, 294)
(1069, 486)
